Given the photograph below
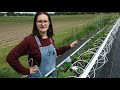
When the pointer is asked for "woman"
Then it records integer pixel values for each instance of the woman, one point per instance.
(40, 48)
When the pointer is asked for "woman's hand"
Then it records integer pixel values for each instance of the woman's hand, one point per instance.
(73, 44)
(34, 69)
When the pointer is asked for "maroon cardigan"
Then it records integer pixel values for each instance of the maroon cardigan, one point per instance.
(29, 47)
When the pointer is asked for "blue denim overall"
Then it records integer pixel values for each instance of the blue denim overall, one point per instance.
(48, 60)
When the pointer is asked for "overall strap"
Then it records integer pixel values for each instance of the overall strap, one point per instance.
(51, 40)
(37, 40)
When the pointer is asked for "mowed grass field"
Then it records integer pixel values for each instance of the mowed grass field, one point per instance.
(14, 29)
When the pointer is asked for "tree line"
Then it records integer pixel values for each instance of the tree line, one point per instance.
(15, 14)
(56, 13)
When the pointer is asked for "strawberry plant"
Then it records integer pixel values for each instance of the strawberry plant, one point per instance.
(82, 57)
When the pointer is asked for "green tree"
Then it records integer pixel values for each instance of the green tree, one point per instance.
(10, 13)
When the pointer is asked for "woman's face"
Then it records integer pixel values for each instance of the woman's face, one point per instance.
(42, 23)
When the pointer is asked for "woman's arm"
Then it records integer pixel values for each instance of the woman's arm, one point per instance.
(13, 56)
(63, 49)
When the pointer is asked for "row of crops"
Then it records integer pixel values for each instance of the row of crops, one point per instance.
(90, 56)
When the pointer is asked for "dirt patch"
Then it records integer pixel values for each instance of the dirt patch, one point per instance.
(11, 31)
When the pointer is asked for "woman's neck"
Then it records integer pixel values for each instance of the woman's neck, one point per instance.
(44, 35)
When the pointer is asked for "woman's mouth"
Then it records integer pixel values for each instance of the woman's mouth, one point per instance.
(42, 27)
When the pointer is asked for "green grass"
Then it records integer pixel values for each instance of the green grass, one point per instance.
(6, 70)
(16, 19)
(64, 37)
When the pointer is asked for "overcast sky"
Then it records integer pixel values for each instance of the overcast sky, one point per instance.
(25, 12)
(28, 12)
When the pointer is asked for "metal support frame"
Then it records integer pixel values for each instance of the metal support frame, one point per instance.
(85, 69)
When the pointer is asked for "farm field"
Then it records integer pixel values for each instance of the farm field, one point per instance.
(14, 29)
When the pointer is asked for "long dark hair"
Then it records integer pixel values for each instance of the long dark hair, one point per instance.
(50, 29)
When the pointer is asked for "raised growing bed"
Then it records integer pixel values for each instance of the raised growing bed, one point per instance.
(89, 57)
